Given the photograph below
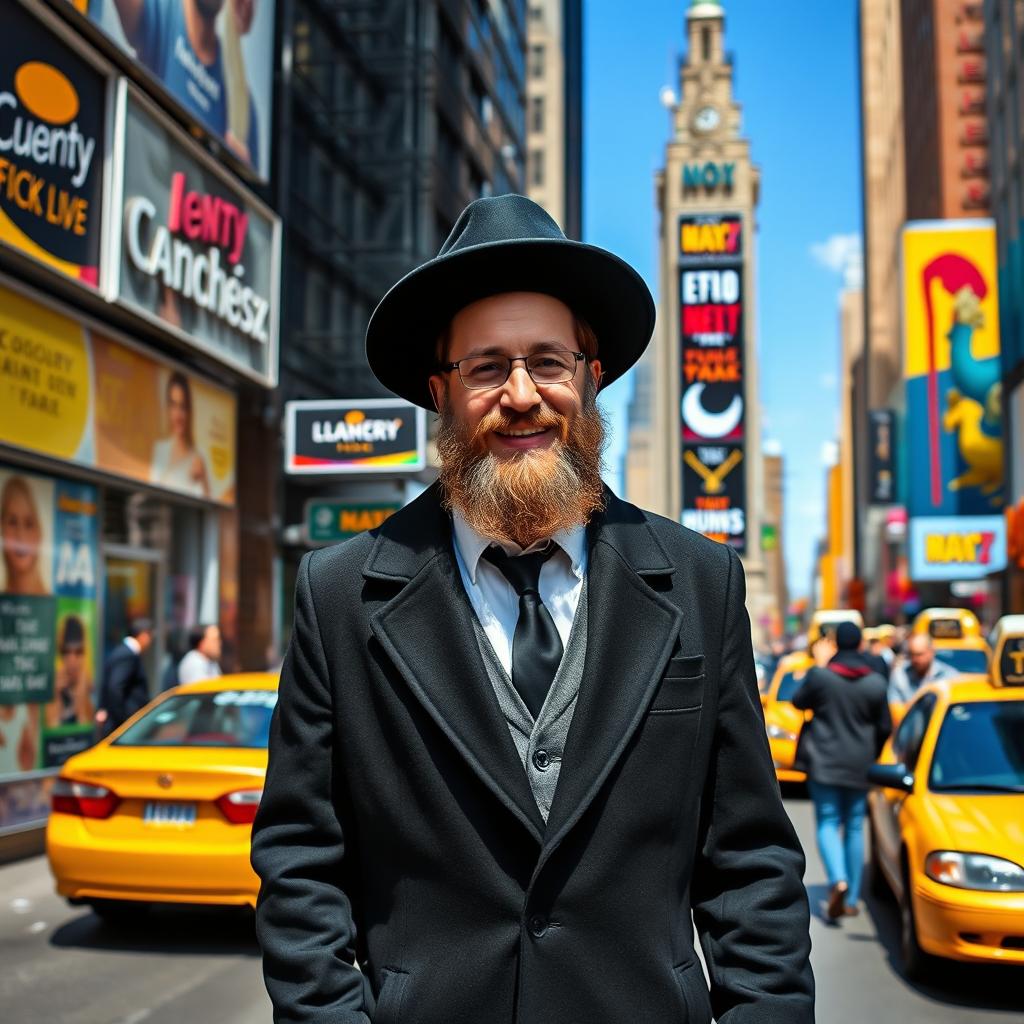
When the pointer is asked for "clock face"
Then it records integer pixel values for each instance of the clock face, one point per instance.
(707, 119)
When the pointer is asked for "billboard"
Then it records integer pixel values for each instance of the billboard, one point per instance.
(712, 380)
(75, 393)
(196, 254)
(215, 58)
(710, 237)
(53, 109)
(48, 632)
(954, 419)
(881, 457)
(341, 438)
(714, 493)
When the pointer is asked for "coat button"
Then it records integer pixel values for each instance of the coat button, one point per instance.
(541, 760)
(538, 925)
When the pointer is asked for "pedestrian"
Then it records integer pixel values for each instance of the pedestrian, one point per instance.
(850, 726)
(203, 658)
(917, 667)
(518, 738)
(125, 688)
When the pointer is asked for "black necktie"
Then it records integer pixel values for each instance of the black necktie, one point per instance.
(536, 645)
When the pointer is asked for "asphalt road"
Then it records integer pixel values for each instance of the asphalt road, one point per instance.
(62, 965)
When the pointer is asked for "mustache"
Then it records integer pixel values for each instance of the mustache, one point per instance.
(499, 421)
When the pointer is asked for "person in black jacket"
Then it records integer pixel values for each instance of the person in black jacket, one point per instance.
(125, 687)
(850, 726)
(518, 753)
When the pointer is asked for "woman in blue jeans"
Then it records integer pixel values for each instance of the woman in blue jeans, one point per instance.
(850, 726)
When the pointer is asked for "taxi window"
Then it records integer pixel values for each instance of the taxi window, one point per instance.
(225, 718)
(946, 629)
(980, 748)
(966, 661)
(906, 744)
(788, 685)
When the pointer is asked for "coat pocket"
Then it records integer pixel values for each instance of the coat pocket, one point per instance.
(695, 992)
(682, 687)
(391, 996)
(685, 666)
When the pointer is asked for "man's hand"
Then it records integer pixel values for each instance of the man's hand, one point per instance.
(823, 650)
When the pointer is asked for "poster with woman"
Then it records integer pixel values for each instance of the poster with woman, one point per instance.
(48, 631)
(26, 615)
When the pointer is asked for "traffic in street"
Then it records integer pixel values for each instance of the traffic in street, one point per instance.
(202, 966)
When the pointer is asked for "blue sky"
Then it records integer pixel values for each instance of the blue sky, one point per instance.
(796, 80)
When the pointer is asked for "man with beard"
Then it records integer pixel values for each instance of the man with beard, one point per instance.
(519, 752)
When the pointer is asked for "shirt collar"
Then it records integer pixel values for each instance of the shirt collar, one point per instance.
(132, 644)
(472, 545)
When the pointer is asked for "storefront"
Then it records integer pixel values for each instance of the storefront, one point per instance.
(138, 308)
(117, 470)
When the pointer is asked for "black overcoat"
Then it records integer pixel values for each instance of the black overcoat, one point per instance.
(397, 826)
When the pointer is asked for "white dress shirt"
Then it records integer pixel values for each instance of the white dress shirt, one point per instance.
(494, 599)
(195, 667)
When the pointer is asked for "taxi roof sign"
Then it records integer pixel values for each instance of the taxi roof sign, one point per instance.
(947, 623)
(1008, 651)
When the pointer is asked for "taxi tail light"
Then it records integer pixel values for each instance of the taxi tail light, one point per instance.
(83, 799)
(240, 806)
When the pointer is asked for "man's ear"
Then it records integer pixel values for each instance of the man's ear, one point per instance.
(436, 385)
(594, 365)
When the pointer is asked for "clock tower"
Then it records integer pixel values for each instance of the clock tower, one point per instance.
(706, 469)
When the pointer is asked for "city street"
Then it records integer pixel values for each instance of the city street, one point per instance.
(61, 964)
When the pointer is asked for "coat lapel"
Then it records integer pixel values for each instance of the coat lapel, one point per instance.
(427, 632)
(631, 631)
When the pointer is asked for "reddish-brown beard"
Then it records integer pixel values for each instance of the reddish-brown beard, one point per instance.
(528, 495)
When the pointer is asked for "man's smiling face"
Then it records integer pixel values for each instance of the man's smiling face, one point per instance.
(526, 416)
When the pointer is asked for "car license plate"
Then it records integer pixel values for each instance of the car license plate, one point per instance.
(165, 813)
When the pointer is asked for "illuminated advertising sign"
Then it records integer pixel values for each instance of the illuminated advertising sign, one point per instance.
(215, 58)
(341, 438)
(954, 420)
(881, 456)
(49, 636)
(714, 492)
(711, 327)
(197, 254)
(956, 547)
(710, 237)
(329, 520)
(77, 394)
(52, 138)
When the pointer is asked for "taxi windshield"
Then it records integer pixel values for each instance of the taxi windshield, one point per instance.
(980, 748)
(964, 660)
(788, 685)
(227, 718)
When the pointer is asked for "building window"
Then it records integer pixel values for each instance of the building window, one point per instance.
(537, 61)
(537, 167)
(537, 114)
(705, 43)
(537, 13)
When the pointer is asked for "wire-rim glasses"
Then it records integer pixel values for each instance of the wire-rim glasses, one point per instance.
(550, 366)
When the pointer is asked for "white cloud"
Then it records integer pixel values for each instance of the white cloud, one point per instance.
(829, 454)
(842, 254)
(771, 446)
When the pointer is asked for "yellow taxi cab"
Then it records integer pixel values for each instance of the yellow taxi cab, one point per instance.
(825, 620)
(781, 719)
(947, 815)
(956, 637)
(162, 809)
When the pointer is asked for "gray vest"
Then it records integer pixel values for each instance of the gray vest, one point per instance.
(540, 743)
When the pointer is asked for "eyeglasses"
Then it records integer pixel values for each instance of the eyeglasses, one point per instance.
(552, 366)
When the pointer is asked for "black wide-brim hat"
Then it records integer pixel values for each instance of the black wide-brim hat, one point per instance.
(506, 244)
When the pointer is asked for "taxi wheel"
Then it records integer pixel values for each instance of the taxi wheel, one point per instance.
(917, 964)
(120, 913)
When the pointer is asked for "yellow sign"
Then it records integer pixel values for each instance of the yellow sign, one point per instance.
(150, 420)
